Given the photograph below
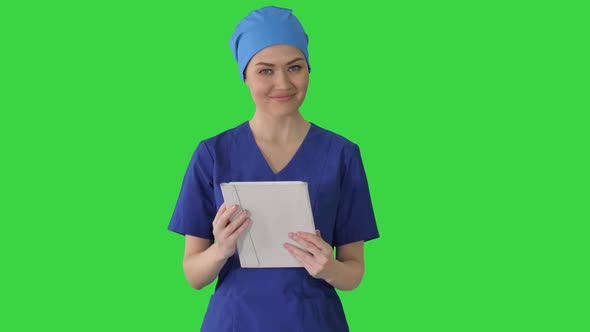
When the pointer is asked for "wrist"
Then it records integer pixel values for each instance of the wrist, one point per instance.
(217, 252)
(332, 273)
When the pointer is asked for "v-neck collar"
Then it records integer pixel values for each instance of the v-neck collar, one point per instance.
(294, 158)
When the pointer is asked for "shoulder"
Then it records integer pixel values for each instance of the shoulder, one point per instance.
(222, 141)
(209, 148)
(226, 137)
(342, 145)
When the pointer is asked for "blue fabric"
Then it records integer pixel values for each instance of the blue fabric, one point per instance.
(277, 299)
(263, 28)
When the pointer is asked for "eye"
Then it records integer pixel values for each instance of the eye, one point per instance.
(265, 71)
(295, 68)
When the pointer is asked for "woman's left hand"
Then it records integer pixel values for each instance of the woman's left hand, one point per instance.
(319, 259)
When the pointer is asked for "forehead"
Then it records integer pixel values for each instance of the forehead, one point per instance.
(277, 54)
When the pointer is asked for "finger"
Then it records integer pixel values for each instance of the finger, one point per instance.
(295, 255)
(221, 210)
(236, 223)
(309, 246)
(305, 258)
(224, 218)
(316, 240)
(235, 235)
(218, 214)
(327, 248)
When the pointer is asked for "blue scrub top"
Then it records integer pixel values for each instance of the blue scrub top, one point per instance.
(277, 299)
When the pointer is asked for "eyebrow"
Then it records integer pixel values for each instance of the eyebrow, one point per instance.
(271, 65)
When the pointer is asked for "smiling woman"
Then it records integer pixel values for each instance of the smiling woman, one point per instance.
(278, 80)
(277, 144)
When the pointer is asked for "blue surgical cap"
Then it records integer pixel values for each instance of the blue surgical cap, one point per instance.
(263, 28)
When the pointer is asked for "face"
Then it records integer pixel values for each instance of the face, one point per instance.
(278, 78)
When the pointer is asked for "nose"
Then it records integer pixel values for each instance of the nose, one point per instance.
(282, 80)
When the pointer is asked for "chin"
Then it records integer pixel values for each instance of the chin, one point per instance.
(286, 110)
(281, 110)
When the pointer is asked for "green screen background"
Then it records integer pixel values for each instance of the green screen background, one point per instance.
(471, 118)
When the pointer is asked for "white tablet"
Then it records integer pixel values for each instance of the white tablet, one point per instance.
(275, 209)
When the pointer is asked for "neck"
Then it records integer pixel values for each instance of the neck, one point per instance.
(278, 129)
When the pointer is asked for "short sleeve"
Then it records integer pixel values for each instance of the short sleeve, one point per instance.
(195, 208)
(355, 219)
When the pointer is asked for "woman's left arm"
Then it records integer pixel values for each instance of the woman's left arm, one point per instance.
(344, 272)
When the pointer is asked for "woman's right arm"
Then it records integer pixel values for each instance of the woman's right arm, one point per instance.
(203, 259)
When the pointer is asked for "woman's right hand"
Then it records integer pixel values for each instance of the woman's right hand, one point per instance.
(226, 233)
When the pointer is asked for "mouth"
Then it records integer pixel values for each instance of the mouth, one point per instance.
(282, 97)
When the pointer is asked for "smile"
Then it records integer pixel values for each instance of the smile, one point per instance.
(282, 98)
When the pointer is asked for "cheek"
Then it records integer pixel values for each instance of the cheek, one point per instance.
(302, 81)
(259, 92)
(302, 85)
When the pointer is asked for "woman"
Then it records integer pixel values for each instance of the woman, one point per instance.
(277, 144)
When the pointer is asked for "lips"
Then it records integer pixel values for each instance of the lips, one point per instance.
(282, 97)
